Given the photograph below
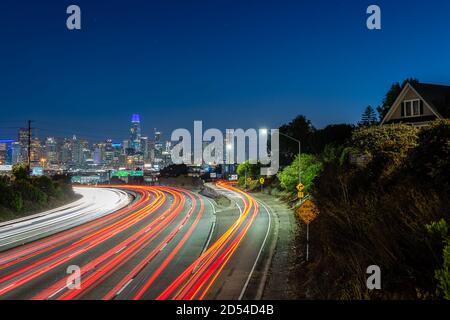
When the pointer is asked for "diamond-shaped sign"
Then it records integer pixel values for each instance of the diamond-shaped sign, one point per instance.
(307, 211)
(300, 187)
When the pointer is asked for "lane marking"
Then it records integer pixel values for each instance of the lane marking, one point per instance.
(240, 215)
(121, 249)
(56, 292)
(259, 253)
(212, 226)
(123, 288)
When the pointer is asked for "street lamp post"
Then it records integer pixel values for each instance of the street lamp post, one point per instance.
(299, 181)
(299, 151)
(227, 161)
(264, 131)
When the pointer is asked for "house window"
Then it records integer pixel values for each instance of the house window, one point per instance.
(412, 108)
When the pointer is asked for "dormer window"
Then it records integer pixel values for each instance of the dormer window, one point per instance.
(412, 108)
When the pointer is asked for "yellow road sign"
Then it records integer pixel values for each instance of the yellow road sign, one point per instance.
(261, 180)
(249, 180)
(300, 187)
(300, 195)
(307, 211)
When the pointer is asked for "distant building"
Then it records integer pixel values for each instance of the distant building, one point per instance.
(36, 150)
(51, 151)
(66, 152)
(148, 149)
(135, 133)
(108, 153)
(420, 104)
(6, 152)
(23, 141)
(77, 151)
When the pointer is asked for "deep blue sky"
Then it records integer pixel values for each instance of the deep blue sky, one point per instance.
(230, 63)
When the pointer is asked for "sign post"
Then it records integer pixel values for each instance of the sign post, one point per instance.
(307, 242)
(261, 181)
(307, 212)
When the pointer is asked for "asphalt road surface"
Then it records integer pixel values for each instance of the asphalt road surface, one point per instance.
(168, 243)
(94, 203)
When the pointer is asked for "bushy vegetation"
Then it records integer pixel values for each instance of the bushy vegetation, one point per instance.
(249, 175)
(21, 194)
(376, 212)
(442, 275)
(309, 167)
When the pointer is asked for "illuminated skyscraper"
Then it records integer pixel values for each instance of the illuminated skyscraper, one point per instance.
(6, 151)
(36, 150)
(51, 151)
(135, 133)
(23, 140)
(77, 151)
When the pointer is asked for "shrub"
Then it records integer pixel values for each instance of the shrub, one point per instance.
(442, 275)
(309, 167)
(30, 193)
(388, 146)
(431, 159)
(16, 202)
(20, 172)
(46, 185)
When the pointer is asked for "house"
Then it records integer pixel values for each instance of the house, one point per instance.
(419, 104)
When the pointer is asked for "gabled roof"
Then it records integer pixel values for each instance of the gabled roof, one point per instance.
(437, 96)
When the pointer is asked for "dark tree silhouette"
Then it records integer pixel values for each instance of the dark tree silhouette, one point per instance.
(301, 129)
(369, 117)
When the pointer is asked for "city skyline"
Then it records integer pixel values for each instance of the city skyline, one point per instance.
(191, 60)
(135, 150)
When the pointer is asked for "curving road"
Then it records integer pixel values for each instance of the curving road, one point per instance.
(94, 203)
(168, 243)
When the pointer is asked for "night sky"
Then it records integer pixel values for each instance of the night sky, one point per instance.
(232, 64)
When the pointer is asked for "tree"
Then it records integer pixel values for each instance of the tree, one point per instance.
(332, 153)
(310, 167)
(392, 95)
(336, 134)
(301, 129)
(369, 117)
(46, 185)
(20, 172)
(248, 170)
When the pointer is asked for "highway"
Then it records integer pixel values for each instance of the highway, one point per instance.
(94, 203)
(168, 243)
